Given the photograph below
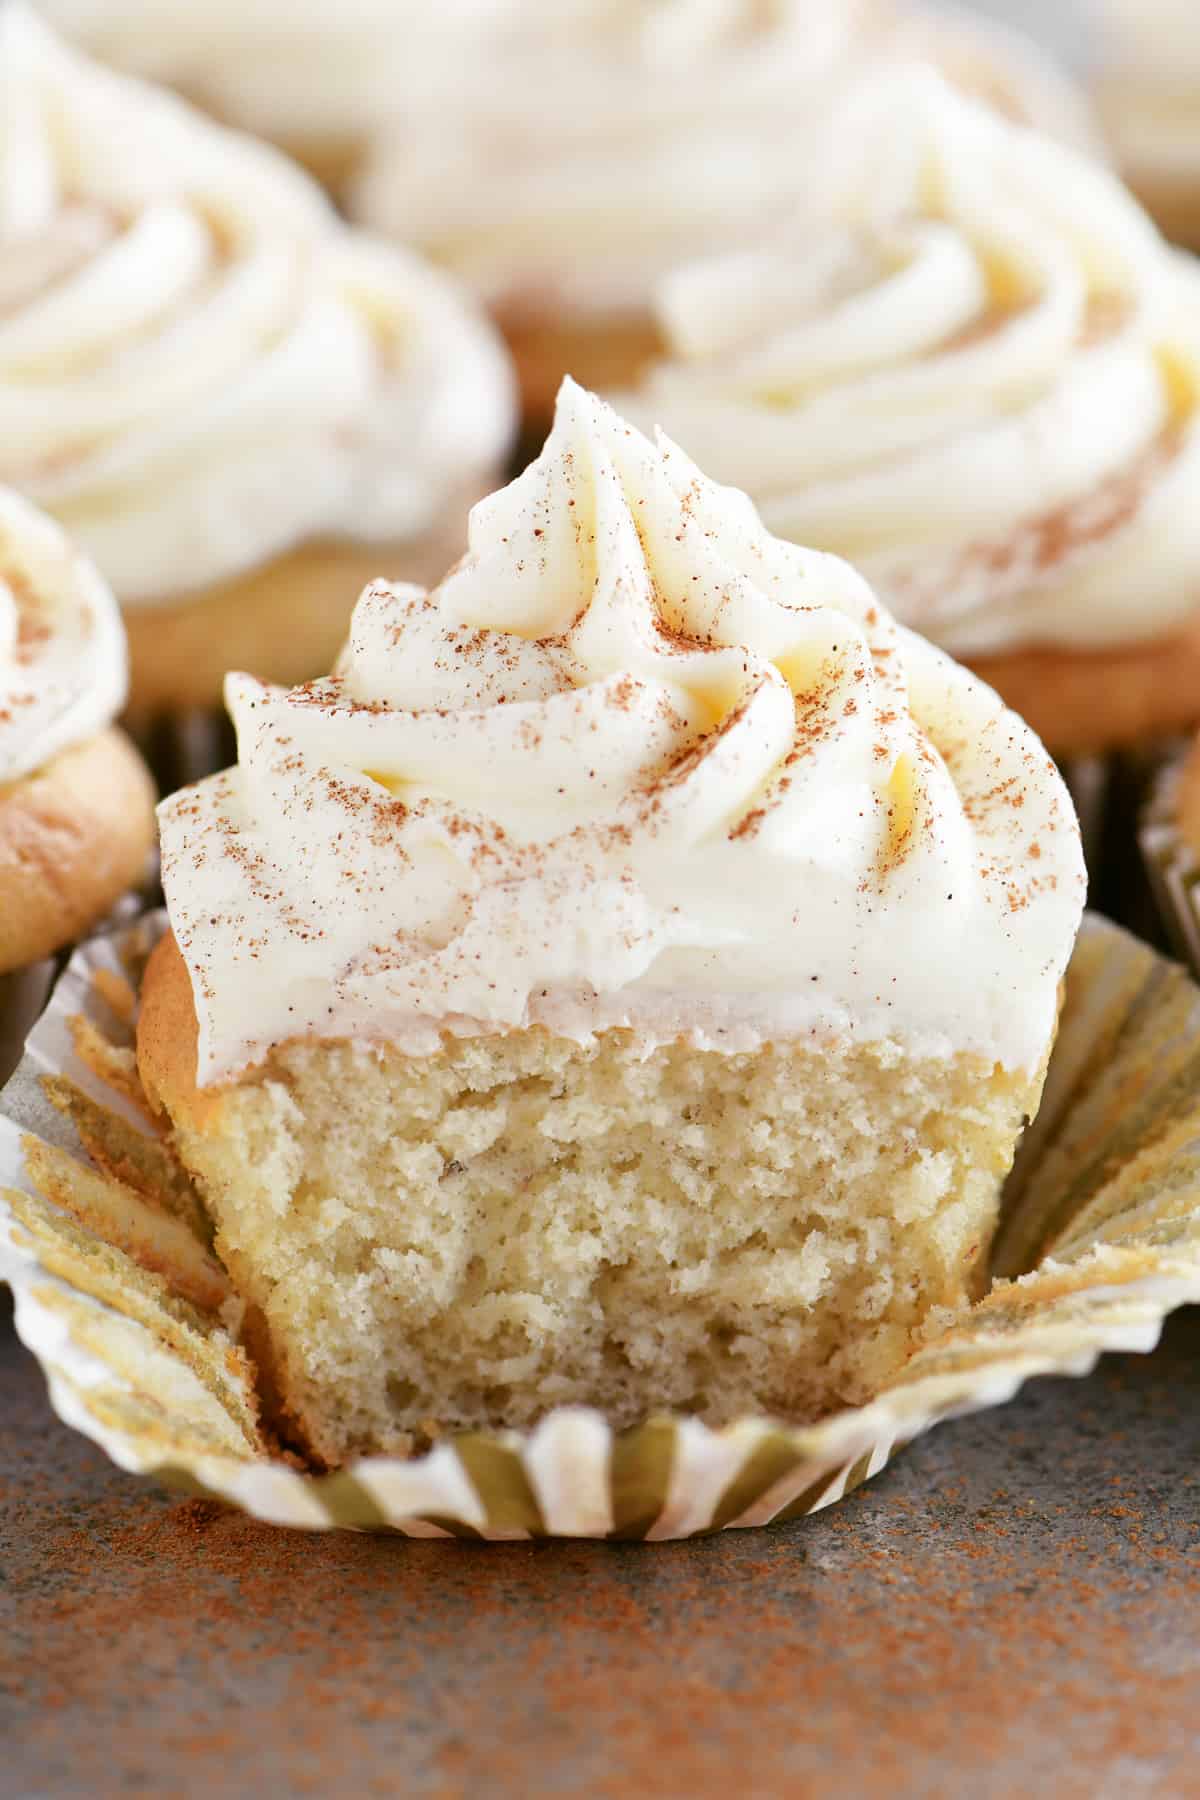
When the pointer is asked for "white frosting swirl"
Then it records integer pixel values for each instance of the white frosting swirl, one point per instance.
(1025, 80)
(971, 366)
(597, 143)
(62, 649)
(1150, 97)
(303, 72)
(199, 367)
(633, 762)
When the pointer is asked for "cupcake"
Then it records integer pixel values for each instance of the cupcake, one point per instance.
(593, 146)
(970, 365)
(623, 981)
(315, 79)
(239, 408)
(76, 801)
(1000, 66)
(1149, 103)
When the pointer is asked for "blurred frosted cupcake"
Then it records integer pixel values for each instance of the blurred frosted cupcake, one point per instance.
(999, 66)
(623, 982)
(598, 143)
(1149, 103)
(76, 801)
(235, 405)
(316, 79)
(972, 366)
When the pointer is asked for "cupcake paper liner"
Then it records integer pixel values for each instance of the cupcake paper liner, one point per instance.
(1173, 866)
(186, 746)
(1110, 793)
(132, 1318)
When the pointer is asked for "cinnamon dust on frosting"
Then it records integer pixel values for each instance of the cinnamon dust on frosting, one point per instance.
(634, 762)
(971, 365)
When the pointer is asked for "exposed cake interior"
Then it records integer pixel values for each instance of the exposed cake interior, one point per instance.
(470, 1238)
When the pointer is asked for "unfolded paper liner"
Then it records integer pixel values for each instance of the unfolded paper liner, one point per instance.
(119, 1296)
(1173, 865)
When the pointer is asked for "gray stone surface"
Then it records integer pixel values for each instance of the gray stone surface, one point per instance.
(1014, 1607)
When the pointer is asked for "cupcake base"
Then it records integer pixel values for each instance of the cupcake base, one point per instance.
(1090, 702)
(824, 1200)
(74, 837)
(120, 1298)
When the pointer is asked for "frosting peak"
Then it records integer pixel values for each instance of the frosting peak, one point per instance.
(200, 367)
(62, 649)
(970, 364)
(634, 762)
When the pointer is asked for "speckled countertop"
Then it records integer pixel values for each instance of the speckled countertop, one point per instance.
(1012, 1608)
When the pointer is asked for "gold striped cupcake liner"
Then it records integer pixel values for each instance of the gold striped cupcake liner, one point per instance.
(1173, 866)
(119, 1296)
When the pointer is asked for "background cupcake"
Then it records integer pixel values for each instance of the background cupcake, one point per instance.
(76, 801)
(1149, 102)
(592, 145)
(1000, 66)
(971, 366)
(314, 78)
(239, 408)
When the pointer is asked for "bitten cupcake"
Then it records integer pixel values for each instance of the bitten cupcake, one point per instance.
(590, 147)
(76, 801)
(624, 981)
(972, 366)
(236, 406)
(1149, 103)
